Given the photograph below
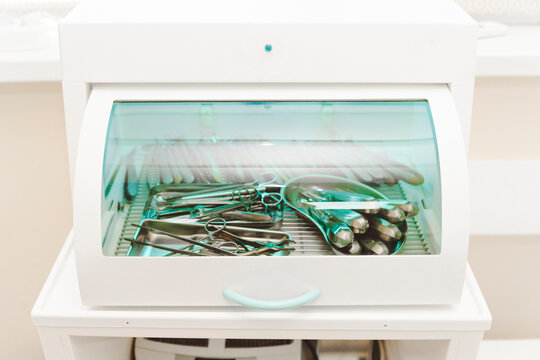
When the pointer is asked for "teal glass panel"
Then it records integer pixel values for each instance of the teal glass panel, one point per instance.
(302, 178)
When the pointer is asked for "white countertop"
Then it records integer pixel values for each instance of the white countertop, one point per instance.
(515, 54)
(32, 65)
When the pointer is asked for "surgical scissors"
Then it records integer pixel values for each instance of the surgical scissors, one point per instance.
(242, 197)
(273, 204)
(172, 251)
(218, 224)
(209, 247)
(225, 191)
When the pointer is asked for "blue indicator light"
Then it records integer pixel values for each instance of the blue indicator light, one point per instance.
(268, 47)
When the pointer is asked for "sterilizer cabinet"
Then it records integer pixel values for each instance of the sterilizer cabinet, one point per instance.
(159, 168)
(269, 154)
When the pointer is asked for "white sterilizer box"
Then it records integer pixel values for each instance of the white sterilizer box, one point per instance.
(269, 153)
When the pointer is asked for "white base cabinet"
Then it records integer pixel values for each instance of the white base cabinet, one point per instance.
(72, 331)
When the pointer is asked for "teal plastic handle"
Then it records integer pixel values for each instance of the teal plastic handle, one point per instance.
(271, 305)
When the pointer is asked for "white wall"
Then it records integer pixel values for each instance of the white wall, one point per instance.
(507, 269)
(506, 125)
(36, 206)
(506, 119)
(36, 210)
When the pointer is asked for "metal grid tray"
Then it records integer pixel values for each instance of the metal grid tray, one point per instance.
(309, 241)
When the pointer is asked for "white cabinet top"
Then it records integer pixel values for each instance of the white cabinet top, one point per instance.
(268, 11)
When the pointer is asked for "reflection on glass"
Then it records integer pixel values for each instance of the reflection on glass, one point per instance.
(271, 178)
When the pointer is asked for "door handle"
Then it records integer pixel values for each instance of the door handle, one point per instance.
(271, 304)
